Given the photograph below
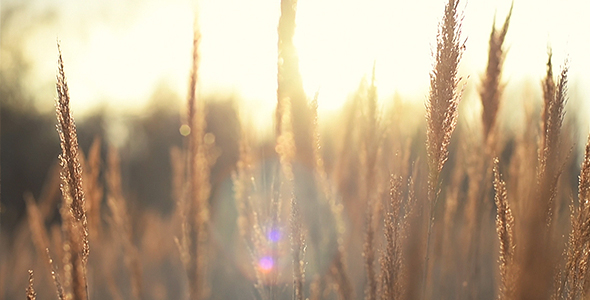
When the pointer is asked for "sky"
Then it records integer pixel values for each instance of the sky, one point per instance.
(117, 53)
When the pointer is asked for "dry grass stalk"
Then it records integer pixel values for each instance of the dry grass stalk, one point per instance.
(491, 89)
(74, 268)
(39, 233)
(55, 277)
(369, 256)
(479, 173)
(522, 182)
(444, 97)
(505, 230)
(290, 85)
(242, 185)
(371, 141)
(281, 190)
(36, 225)
(248, 222)
(371, 122)
(198, 186)
(548, 98)
(286, 31)
(74, 222)
(321, 174)
(553, 114)
(248, 218)
(71, 174)
(57, 246)
(537, 257)
(442, 107)
(289, 78)
(555, 98)
(286, 150)
(450, 255)
(575, 282)
(391, 285)
(369, 155)
(31, 295)
(339, 270)
(345, 156)
(193, 78)
(298, 251)
(122, 223)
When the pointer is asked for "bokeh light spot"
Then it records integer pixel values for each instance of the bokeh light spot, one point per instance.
(185, 130)
(266, 264)
(209, 138)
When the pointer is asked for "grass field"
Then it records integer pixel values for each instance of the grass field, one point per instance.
(401, 200)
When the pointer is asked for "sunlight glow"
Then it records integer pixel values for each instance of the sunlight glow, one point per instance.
(338, 42)
(119, 57)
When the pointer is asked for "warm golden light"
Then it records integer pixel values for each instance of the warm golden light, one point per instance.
(119, 60)
(168, 148)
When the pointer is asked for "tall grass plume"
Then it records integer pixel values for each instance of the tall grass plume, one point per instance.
(505, 230)
(73, 210)
(442, 107)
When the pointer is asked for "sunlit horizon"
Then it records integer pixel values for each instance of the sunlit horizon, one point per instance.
(117, 55)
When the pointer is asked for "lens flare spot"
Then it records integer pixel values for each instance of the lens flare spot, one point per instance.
(266, 264)
(274, 235)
